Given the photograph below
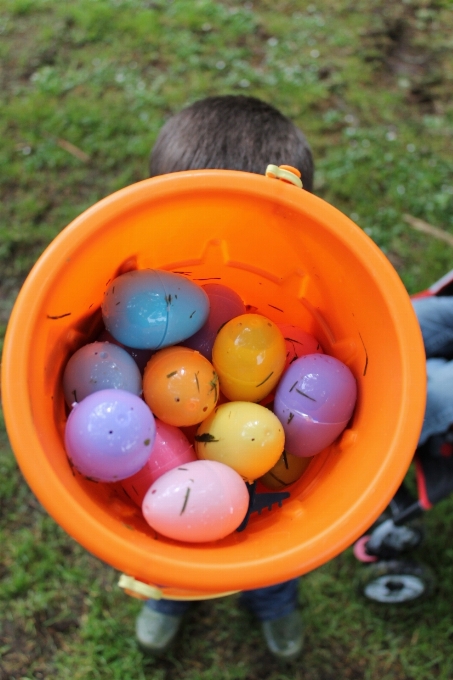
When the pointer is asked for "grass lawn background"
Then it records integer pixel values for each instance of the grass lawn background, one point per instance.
(85, 87)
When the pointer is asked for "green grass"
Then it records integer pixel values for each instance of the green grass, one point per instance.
(370, 83)
(64, 616)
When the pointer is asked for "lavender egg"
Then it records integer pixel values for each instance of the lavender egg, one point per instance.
(110, 435)
(314, 401)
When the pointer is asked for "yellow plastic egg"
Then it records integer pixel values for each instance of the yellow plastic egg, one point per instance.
(243, 435)
(249, 356)
(287, 470)
(180, 386)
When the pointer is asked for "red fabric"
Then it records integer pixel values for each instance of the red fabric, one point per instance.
(421, 486)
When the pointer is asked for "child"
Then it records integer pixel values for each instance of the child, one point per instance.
(231, 133)
(435, 316)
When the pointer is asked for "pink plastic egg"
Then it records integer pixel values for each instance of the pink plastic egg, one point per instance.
(197, 502)
(171, 449)
(298, 342)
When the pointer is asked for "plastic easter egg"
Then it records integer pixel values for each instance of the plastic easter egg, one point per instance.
(314, 401)
(249, 356)
(109, 435)
(197, 502)
(298, 343)
(150, 308)
(100, 366)
(246, 436)
(171, 449)
(180, 386)
(140, 356)
(287, 470)
(224, 305)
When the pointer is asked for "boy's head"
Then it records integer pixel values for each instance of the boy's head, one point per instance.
(231, 132)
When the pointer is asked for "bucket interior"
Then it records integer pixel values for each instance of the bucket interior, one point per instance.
(291, 257)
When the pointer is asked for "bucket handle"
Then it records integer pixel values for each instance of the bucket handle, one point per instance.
(286, 173)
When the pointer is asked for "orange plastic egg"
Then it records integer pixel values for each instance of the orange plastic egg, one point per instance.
(180, 386)
(249, 356)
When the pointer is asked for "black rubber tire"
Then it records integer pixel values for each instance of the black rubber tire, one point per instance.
(418, 534)
(396, 582)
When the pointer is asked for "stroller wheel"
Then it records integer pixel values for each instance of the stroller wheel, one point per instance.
(396, 582)
(388, 541)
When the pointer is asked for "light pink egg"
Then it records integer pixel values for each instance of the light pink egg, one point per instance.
(171, 449)
(201, 501)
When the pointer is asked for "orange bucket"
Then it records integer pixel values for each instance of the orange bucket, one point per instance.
(294, 258)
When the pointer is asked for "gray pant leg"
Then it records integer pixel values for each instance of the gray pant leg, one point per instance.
(435, 316)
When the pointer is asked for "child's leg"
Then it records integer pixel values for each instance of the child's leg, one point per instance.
(281, 623)
(439, 401)
(169, 607)
(272, 602)
(435, 316)
(158, 624)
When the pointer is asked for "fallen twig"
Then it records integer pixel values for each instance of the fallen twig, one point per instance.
(426, 228)
(73, 150)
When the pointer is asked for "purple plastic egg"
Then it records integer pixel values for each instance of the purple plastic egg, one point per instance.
(314, 401)
(200, 501)
(225, 304)
(109, 435)
(171, 449)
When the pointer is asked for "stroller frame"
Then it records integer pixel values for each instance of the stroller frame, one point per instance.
(389, 576)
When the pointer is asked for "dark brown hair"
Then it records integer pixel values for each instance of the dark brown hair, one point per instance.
(231, 132)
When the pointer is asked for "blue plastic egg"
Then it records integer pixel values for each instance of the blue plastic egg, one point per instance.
(100, 366)
(152, 309)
